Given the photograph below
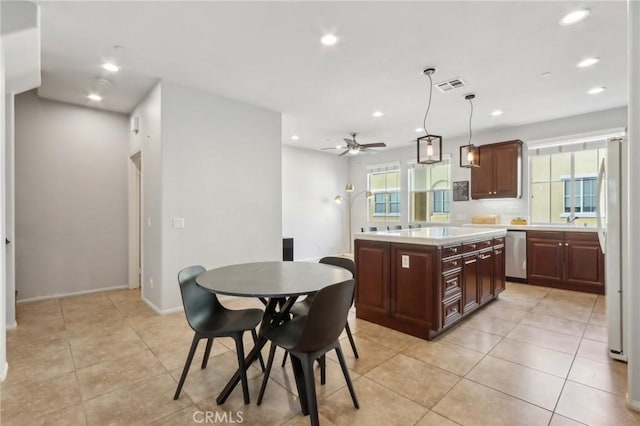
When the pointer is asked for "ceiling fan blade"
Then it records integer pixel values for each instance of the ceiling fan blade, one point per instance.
(335, 147)
(374, 145)
(340, 155)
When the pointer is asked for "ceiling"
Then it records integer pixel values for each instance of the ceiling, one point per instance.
(269, 54)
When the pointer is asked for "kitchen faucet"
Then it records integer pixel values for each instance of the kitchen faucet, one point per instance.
(571, 218)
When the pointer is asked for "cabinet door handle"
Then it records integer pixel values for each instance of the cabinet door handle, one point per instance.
(454, 250)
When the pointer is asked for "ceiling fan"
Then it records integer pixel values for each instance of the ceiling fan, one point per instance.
(353, 147)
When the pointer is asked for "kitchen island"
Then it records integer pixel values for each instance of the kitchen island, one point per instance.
(423, 281)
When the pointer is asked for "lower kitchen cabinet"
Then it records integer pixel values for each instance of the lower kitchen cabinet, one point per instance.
(421, 289)
(566, 260)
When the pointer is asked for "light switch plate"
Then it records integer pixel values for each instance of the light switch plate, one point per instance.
(178, 222)
(405, 261)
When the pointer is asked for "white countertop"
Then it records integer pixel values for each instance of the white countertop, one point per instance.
(536, 227)
(433, 235)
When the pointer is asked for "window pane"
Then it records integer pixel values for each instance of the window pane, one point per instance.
(540, 202)
(556, 208)
(586, 162)
(430, 192)
(567, 196)
(385, 204)
(541, 168)
(560, 166)
(419, 207)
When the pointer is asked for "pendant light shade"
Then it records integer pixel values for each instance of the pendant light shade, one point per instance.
(470, 154)
(429, 146)
(429, 149)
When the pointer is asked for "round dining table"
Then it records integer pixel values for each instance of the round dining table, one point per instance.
(278, 285)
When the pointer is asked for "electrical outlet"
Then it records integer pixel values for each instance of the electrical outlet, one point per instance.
(150, 282)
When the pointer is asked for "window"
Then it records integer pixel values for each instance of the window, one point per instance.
(584, 196)
(564, 182)
(430, 192)
(384, 184)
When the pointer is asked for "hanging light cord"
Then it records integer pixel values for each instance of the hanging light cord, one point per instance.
(470, 117)
(424, 121)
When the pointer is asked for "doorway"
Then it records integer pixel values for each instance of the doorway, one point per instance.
(135, 217)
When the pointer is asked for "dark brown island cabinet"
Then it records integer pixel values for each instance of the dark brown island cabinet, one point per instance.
(424, 288)
(566, 260)
(500, 171)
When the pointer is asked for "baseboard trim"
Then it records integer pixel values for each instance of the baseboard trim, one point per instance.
(12, 326)
(162, 311)
(5, 370)
(633, 405)
(75, 293)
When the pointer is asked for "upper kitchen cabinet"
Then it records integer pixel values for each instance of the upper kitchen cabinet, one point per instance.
(500, 171)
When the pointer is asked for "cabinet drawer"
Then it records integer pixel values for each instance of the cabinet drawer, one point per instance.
(451, 251)
(451, 284)
(451, 310)
(469, 247)
(450, 264)
(485, 244)
(498, 241)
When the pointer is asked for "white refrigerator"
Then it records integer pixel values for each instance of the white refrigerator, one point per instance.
(612, 220)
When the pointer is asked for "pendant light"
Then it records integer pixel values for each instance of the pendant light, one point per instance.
(470, 154)
(429, 146)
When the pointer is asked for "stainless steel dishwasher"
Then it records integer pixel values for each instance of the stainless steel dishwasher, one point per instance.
(516, 255)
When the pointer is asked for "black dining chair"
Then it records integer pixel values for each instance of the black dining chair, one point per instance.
(209, 319)
(310, 337)
(394, 227)
(369, 229)
(415, 226)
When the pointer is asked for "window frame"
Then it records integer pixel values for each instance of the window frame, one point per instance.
(384, 169)
(429, 192)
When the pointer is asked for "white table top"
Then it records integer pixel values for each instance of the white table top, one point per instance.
(433, 235)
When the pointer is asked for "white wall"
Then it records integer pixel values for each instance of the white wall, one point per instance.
(149, 142)
(463, 210)
(310, 182)
(221, 173)
(71, 198)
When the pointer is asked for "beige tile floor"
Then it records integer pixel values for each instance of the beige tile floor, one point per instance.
(536, 356)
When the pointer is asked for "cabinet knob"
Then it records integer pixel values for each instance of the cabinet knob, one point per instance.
(559, 244)
(566, 244)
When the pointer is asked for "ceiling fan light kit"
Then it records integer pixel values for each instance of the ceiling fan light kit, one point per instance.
(429, 146)
(470, 154)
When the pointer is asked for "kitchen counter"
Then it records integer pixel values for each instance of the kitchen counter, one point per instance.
(434, 235)
(424, 281)
(534, 227)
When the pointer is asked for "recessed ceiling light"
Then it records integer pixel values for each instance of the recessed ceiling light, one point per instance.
(575, 16)
(597, 90)
(496, 113)
(377, 113)
(338, 146)
(545, 74)
(329, 40)
(110, 66)
(419, 129)
(94, 97)
(588, 62)
(295, 137)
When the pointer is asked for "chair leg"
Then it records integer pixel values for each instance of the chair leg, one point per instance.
(255, 339)
(207, 352)
(242, 367)
(298, 373)
(265, 379)
(347, 377)
(310, 388)
(323, 369)
(187, 364)
(353, 343)
(284, 358)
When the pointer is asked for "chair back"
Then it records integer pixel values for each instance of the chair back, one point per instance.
(342, 262)
(327, 317)
(199, 304)
(394, 227)
(416, 226)
(369, 229)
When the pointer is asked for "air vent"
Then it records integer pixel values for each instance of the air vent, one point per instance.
(449, 85)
